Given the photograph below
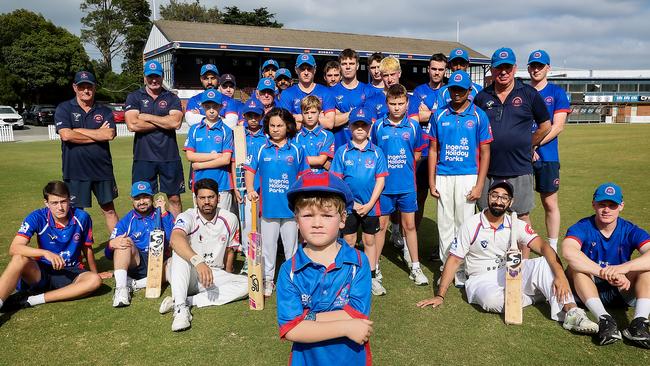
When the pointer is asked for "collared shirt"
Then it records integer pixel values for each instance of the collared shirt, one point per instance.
(65, 241)
(424, 92)
(617, 249)
(84, 161)
(444, 98)
(253, 143)
(346, 100)
(399, 142)
(291, 98)
(316, 142)
(229, 105)
(277, 168)
(209, 238)
(305, 286)
(360, 168)
(159, 144)
(202, 138)
(459, 137)
(484, 247)
(377, 103)
(137, 227)
(511, 122)
(556, 101)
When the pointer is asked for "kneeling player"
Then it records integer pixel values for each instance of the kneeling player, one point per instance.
(53, 271)
(482, 243)
(200, 240)
(598, 249)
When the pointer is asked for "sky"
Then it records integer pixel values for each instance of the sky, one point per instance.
(596, 34)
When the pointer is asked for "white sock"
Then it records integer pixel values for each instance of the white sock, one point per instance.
(642, 308)
(120, 277)
(553, 243)
(596, 307)
(415, 265)
(141, 283)
(36, 299)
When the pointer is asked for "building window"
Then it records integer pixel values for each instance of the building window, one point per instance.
(363, 67)
(609, 88)
(630, 88)
(577, 87)
(644, 87)
(415, 69)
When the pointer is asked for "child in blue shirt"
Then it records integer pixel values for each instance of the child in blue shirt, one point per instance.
(317, 142)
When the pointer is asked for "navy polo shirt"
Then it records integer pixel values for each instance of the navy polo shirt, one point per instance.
(159, 144)
(511, 123)
(84, 161)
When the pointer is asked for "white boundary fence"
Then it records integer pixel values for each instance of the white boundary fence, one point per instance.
(6, 133)
(121, 128)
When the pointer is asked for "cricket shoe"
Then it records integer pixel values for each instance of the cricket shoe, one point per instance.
(377, 288)
(121, 297)
(576, 320)
(244, 268)
(407, 256)
(268, 288)
(16, 301)
(607, 330)
(460, 278)
(378, 275)
(166, 305)
(638, 332)
(182, 318)
(418, 277)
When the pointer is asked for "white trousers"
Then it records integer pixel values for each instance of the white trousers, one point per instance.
(488, 289)
(270, 230)
(453, 208)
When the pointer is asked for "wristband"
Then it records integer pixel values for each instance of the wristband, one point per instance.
(196, 260)
(440, 296)
(311, 316)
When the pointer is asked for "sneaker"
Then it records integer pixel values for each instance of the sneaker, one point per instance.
(244, 268)
(268, 288)
(121, 297)
(406, 255)
(378, 275)
(638, 332)
(607, 330)
(576, 320)
(16, 301)
(460, 278)
(377, 288)
(166, 305)
(418, 277)
(182, 318)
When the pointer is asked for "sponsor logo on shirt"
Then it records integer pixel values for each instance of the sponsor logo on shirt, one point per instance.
(529, 230)
(145, 103)
(76, 116)
(349, 163)
(457, 152)
(397, 161)
(279, 185)
(305, 299)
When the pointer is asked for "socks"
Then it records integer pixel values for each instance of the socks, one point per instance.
(415, 265)
(36, 300)
(553, 243)
(596, 307)
(642, 308)
(120, 278)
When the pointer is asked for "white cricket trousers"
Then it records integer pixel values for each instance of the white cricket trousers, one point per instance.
(270, 230)
(227, 287)
(488, 289)
(453, 208)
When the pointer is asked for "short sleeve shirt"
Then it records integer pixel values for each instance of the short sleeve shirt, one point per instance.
(291, 98)
(556, 101)
(443, 98)
(137, 227)
(202, 138)
(316, 142)
(253, 143)
(346, 100)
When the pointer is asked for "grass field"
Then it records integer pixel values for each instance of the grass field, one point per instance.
(90, 331)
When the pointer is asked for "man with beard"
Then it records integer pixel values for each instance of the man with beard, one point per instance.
(482, 244)
(194, 113)
(283, 80)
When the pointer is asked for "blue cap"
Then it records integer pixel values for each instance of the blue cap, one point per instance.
(609, 192)
(211, 95)
(253, 106)
(459, 79)
(360, 114)
(153, 67)
(539, 56)
(305, 58)
(84, 77)
(209, 68)
(141, 187)
(458, 53)
(320, 182)
(283, 72)
(270, 62)
(266, 84)
(503, 55)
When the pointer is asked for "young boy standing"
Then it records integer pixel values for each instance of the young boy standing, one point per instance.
(324, 289)
(317, 142)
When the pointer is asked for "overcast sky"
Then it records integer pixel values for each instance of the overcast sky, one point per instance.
(596, 34)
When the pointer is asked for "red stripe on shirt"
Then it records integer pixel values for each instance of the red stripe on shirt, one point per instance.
(24, 236)
(568, 111)
(287, 327)
(642, 244)
(384, 174)
(574, 238)
(354, 313)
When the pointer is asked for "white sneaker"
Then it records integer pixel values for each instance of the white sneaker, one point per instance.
(576, 320)
(166, 305)
(182, 318)
(268, 288)
(121, 297)
(377, 288)
(418, 277)
(378, 275)
(407, 256)
(460, 279)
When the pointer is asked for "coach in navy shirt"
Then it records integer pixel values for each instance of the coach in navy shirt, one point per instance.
(512, 107)
(154, 114)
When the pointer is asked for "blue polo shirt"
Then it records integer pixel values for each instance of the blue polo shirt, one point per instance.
(159, 144)
(305, 286)
(347, 99)
(511, 123)
(556, 101)
(459, 137)
(377, 103)
(253, 143)
(424, 92)
(617, 249)
(317, 141)
(65, 241)
(91, 162)
(293, 95)
(277, 168)
(360, 168)
(229, 105)
(399, 143)
(444, 98)
(216, 139)
(137, 227)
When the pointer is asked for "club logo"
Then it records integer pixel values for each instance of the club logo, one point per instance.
(98, 118)
(304, 57)
(548, 100)
(83, 75)
(222, 238)
(152, 66)
(458, 78)
(503, 54)
(217, 139)
(529, 230)
(290, 159)
(211, 94)
(162, 104)
(406, 136)
(370, 163)
(610, 191)
(556, 182)
(517, 102)
(484, 244)
(459, 52)
(537, 54)
(209, 67)
(267, 82)
(76, 237)
(469, 124)
(361, 113)
(141, 187)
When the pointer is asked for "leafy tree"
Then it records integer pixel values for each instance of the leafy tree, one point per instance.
(259, 17)
(190, 12)
(137, 18)
(104, 27)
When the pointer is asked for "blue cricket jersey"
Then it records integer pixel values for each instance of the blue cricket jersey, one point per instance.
(346, 100)
(317, 141)
(137, 227)
(443, 98)
(216, 139)
(229, 105)
(253, 143)
(377, 103)
(291, 98)
(556, 101)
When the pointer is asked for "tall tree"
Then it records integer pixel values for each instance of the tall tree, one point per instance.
(189, 12)
(260, 17)
(137, 31)
(104, 27)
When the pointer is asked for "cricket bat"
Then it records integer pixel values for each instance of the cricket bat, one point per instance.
(513, 310)
(156, 253)
(255, 288)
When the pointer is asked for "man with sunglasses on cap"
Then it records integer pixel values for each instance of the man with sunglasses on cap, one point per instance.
(231, 106)
(194, 113)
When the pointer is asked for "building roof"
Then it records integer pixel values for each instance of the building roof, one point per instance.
(227, 37)
(571, 74)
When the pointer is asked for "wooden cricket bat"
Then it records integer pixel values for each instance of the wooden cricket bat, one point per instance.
(255, 283)
(513, 309)
(156, 253)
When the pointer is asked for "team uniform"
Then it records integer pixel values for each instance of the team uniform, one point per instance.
(293, 96)
(346, 100)
(316, 142)
(377, 104)
(306, 288)
(229, 110)
(443, 98)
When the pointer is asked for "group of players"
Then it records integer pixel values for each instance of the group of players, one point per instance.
(461, 144)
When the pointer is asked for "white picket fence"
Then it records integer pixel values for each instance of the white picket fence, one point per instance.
(6, 133)
(122, 130)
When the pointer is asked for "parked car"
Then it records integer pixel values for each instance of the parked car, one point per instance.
(118, 111)
(40, 114)
(9, 116)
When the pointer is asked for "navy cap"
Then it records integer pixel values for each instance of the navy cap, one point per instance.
(227, 78)
(266, 84)
(153, 67)
(320, 182)
(211, 95)
(253, 106)
(459, 79)
(141, 187)
(539, 56)
(458, 53)
(360, 114)
(283, 72)
(503, 183)
(503, 55)
(609, 192)
(305, 58)
(209, 68)
(84, 77)
(270, 62)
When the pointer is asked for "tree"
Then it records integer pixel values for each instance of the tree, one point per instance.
(190, 12)
(259, 17)
(104, 28)
(137, 31)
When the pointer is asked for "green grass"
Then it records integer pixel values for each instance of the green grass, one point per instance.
(90, 331)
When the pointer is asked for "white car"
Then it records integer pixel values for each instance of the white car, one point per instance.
(9, 116)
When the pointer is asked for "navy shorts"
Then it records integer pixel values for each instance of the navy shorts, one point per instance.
(610, 295)
(104, 190)
(51, 279)
(547, 176)
(170, 174)
(402, 202)
(369, 224)
(422, 174)
(140, 271)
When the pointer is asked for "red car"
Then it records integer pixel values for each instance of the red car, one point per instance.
(118, 111)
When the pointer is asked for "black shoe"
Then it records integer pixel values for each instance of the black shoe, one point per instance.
(607, 330)
(638, 332)
(16, 302)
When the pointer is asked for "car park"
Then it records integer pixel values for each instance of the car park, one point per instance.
(9, 117)
(40, 114)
